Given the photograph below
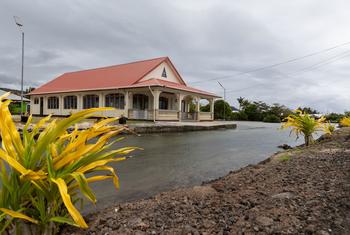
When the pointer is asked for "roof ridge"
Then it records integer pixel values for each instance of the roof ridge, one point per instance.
(110, 66)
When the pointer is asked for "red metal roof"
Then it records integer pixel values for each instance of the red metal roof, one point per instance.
(113, 77)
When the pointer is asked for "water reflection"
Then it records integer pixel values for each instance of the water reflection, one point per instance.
(183, 159)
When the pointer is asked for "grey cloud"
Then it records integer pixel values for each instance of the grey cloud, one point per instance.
(204, 39)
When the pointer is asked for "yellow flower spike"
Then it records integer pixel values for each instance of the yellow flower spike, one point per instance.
(62, 187)
(18, 215)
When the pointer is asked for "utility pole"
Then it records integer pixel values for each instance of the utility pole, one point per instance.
(224, 99)
(20, 25)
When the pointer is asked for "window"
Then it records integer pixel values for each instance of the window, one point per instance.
(90, 101)
(36, 100)
(70, 102)
(53, 102)
(163, 103)
(140, 101)
(164, 73)
(115, 100)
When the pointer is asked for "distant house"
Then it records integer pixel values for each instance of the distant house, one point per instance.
(149, 90)
(15, 106)
(234, 109)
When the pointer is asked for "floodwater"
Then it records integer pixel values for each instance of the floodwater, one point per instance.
(172, 160)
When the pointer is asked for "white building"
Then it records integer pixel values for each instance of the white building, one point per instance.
(149, 90)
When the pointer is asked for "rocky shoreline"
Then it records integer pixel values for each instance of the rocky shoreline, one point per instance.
(304, 190)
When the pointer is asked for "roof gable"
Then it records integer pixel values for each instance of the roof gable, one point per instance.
(116, 76)
(164, 71)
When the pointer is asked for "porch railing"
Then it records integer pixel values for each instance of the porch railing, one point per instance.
(189, 116)
(140, 114)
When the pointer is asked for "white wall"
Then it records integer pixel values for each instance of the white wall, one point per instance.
(35, 108)
(157, 73)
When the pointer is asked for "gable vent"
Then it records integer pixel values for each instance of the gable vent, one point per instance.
(164, 73)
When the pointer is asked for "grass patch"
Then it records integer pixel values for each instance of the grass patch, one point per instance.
(284, 158)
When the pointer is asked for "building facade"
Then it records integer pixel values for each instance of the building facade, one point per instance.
(143, 90)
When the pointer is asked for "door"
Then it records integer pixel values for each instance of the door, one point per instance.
(41, 106)
(140, 106)
(183, 106)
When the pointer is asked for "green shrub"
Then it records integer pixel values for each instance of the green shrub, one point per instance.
(271, 118)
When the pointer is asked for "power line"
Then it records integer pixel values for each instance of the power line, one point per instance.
(305, 69)
(324, 62)
(273, 65)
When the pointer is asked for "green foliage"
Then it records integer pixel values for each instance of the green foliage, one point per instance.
(260, 111)
(239, 116)
(253, 112)
(44, 173)
(334, 117)
(272, 118)
(219, 107)
(192, 107)
(205, 108)
(308, 110)
(284, 158)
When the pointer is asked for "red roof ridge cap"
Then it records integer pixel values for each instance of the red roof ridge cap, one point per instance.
(110, 66)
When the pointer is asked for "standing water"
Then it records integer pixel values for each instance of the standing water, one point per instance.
(173, 160)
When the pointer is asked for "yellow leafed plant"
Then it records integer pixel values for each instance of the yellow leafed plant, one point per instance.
(306, 125)
(345, 121)
(43, 171)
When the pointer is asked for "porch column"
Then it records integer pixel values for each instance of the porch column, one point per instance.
(197, 99)
(179, 102)
(60, 105)
(126, 104)
(79, 102)
(212, 108)
(130, 106)
(101, 102)
(155, 94)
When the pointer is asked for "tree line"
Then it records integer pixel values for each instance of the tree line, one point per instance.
(261, 111)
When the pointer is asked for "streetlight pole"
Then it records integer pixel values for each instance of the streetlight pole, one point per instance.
(224, 99)
(20, 25)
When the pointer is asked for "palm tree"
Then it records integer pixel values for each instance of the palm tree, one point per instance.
(304, 124)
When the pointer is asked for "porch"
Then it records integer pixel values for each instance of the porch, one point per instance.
(164, 104)
(142, 103)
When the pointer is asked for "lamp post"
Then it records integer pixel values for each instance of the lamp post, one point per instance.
(20, 26)
(224, 99)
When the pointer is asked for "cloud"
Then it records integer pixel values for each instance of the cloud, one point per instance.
(205, 39)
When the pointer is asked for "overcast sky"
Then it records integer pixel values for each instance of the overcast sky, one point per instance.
(204, 39)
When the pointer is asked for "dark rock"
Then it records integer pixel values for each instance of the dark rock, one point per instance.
(284, 146)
